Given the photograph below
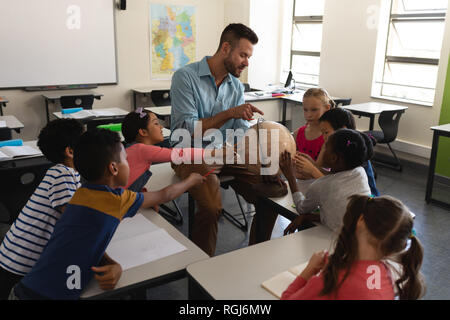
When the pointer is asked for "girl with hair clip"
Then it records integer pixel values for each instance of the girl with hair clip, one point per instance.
(309, 139)
(329, 122)
(376, 235)
(142, 130)
(344, 153)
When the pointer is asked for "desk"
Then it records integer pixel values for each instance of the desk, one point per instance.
(144, 92)
(55, 96)
(166, 133)
(12, 122)
(238, 275)
(156, 272)
(117, 113)
(370, 109)
(444, 131)
(162, 113)
(296, 98)
(31, 143)
(3, 102)
(285, 205)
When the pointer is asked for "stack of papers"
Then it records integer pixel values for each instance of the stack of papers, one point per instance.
(138, 241)
(84, 114)
(10, 152)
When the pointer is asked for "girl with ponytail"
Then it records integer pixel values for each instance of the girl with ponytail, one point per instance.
(376, 235)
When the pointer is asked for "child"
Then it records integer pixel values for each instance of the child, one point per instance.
(309, 139)
(344, 153)
(142, 130)
(329, 122)
(375, 231)
(30, 232)
(83, 233)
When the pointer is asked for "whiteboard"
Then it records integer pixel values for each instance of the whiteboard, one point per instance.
(57, 42)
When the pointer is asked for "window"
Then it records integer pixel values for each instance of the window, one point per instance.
(412, 49)
(306, 41)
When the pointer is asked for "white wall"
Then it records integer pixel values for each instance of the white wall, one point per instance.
(266, 21)
(133, 59)
(237, 11)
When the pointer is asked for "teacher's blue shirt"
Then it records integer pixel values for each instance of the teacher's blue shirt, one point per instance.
(194, 96)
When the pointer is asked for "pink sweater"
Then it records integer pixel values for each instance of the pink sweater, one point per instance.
(367, 280)
(141, 156)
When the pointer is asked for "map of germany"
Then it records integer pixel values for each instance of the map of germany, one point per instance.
(173, 39)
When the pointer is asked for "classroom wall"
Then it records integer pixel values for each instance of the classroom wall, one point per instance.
(265, 20)
(443, 157)
(237, 11)
(133, 59)
(346, 70)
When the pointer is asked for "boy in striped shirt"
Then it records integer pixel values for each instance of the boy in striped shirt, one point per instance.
(29, 234)
(78, 243)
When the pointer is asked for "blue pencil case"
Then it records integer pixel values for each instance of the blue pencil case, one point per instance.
(71, 110)
(9, 143)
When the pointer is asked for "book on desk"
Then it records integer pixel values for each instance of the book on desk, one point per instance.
(11, 152)
(280, 282)
(86, 114)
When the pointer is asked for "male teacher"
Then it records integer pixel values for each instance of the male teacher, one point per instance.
(208, 93)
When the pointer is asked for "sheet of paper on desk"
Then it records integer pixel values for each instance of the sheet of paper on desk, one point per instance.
(138, 241)
(19, 151)
(83, 114)
(2, 124)
(103, 113)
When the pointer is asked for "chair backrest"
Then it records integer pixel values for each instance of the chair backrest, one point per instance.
(160, 98)
(84, 101)
(246, 87)
(388, 121)
(18, 184)
(5, 133)
(342, 102)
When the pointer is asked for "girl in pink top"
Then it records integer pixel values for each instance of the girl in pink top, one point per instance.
(316, 102)
(142, 130)
(375, 230)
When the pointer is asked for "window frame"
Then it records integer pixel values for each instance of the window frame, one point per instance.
(298, 20)
(377, 86)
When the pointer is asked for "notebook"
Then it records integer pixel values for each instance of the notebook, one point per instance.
(83, 114)
(10, 152)
(277, 284)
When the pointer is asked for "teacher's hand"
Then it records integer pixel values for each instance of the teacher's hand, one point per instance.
(244, 111)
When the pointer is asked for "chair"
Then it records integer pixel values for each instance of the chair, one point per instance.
(160, 98)
(243, 225)
(84, 101)
(247, 87)
(388, 121)
(342, 102)
(5, 134)
(19, 183)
